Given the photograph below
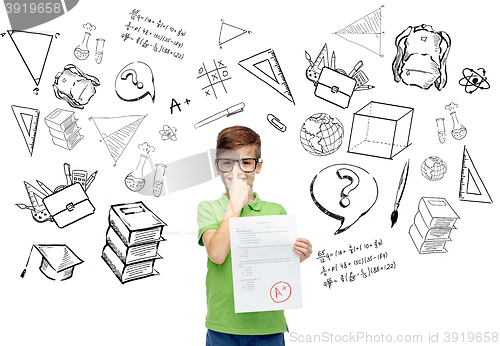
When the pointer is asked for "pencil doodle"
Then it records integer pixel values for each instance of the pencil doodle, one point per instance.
(265, 66)
(58, 261)
(441, 130)
(332, 84)
(380, 130)
(366, 32)
(65, 204)
(345, 203)
(321, 134)
(135, 81)
(74, 86)
(33, 48)
(399, 193)
(132, 240)
(215, 77)
(168, 133)
(433, 168)
(27, 120)
(99, 50)
(421, 57)
(237, 108)
(229, 32)
(276, 123)
(63, 128)
(472, 188)
(135, 180)
(432, 225)
(459, 131)
(117, 132)
(474, 79)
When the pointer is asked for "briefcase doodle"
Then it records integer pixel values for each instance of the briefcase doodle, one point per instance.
(332, 84)
(69, 205)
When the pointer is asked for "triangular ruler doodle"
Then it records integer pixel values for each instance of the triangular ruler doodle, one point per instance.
(472, 188)
(365, 32)
(117, 132)
(265, 66)
(33, 47)
(27, 119)
(229, 32)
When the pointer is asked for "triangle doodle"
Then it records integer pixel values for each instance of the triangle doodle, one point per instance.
(472, 188)
(229, 32)
(33, 47)
(117, 132)
(269, 73)
(365, 32)
(27, 120)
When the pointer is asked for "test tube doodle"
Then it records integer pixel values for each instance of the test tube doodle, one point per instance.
(99, 49)
(441, 130)
(158, 182)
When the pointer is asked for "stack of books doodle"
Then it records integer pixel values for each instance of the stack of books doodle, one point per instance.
(63, 128)
(433, 223)
(132, 241)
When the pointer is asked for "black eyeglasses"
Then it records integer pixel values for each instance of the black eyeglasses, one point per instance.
(247, 165)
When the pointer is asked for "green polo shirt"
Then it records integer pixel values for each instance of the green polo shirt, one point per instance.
(220, 297)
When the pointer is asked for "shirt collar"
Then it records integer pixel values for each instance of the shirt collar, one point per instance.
(255, 205)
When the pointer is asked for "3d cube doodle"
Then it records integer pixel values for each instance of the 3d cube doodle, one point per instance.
(380, 130)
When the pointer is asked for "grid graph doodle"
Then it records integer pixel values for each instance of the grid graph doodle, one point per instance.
(215, 77)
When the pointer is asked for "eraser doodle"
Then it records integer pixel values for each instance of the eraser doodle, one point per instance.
(134, 82)
(344, 192)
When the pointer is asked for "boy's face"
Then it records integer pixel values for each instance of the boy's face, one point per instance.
(241, 153)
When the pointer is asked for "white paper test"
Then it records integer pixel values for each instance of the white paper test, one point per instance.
(266, 271)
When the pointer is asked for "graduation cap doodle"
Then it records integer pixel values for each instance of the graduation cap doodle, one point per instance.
(58, 261)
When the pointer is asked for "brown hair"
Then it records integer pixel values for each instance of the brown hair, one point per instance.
(238, 136)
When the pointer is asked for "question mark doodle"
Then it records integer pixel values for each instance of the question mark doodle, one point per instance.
(345, 173)
(130, 72)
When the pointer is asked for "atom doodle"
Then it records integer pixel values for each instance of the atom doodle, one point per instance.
(473, 80)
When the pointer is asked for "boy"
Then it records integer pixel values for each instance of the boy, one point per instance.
(238, 161)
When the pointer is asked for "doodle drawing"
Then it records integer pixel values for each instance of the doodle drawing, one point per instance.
(27, 120)
(321, 134)
(216, 77)
(441, 130)
(38, 210)
(265, 66)
(135, 81)
(33, 47)
(81, 51)
(132, 240)
(135, 180)
(459, 131)
(433, 168)
(237, 108)
(344, 192)
(99, 50)
(380, 130)
(168, 133)
(63, 128)
(116, 132)
(74, 86)
(276, 123)
(474, 79)
(421, 57)
(472, 188)
(58, 261)
(229, 32)
(399, 193)
(432, 225)
(365, 32)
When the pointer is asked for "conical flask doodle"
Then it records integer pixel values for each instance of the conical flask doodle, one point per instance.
(135, 180)
(82, 50)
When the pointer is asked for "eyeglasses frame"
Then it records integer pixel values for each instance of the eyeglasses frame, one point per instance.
(239, 163)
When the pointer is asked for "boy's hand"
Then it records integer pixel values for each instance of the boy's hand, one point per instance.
(239, 190)
(303, 247)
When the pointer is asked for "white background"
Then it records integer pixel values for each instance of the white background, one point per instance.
(452, 292)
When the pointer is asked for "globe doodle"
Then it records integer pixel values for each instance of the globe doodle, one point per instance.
(433, 168)
(321, 134)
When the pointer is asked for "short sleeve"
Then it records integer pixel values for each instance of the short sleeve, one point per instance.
(206, 219)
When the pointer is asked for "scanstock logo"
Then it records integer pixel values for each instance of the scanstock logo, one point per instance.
(25, 15)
